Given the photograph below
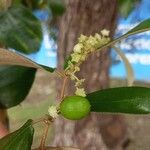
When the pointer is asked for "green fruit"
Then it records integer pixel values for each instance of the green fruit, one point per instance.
(75, 107)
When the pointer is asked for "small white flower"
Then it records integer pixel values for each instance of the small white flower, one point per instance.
(92, 40)
(79, 82)
(98, 36)
(52, 110)
(76, 68)
(72, 76)
(81, 50)
(80, 92)
(82, 38)
(78, 48)
(105, 32)
(75, 57)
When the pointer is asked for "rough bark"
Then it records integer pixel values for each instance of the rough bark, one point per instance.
(86, 17)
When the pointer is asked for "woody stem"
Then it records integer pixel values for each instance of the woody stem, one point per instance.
(63, 87)
(43, 140)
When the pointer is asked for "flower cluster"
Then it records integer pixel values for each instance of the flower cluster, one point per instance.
(53, 112)
(81, 50)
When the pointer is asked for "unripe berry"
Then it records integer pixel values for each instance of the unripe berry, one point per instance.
(75, 107)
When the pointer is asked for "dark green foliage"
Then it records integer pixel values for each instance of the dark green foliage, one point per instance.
(134, 100)
(20, 29)
(126, 6)
(20, 139)
(15, 83)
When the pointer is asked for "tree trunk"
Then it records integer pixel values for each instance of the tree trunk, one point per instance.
(87, 17)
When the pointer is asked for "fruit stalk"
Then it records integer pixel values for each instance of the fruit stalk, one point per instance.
(63, 87)
(44, 137)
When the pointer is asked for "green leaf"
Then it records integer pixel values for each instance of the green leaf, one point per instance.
(10, 58)
(141, 27)
(126, 6)
(16, 2)
(134, 100)
(15, 83)
(20, 29)
(21, 139)
(33, 4)
(57, 7)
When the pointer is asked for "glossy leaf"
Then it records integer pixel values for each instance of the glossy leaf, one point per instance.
(20, 139)
(12, 58)
(20, 29)
(15, 83)
(141, 27)
(134, 100)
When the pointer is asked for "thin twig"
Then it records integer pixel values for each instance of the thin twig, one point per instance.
(44, 137)
(63, 87)
(43, 119)
(37, 121)
(61, 74)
